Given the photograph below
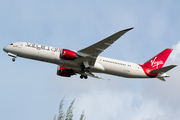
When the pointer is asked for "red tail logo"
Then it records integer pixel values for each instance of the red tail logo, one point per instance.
(159, 60)
(155, 64)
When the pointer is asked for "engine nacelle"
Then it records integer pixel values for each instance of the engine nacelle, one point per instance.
(68, 54)
(64, 71)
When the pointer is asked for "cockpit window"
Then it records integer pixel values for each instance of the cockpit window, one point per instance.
(11, 44)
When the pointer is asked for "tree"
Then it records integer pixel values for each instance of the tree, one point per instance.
(69, 113)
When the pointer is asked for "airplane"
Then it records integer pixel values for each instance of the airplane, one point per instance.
(87, 61)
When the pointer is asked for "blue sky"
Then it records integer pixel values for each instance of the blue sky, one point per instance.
(31, 90)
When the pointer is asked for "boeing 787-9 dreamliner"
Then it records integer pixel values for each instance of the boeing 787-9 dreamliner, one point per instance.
(87, 61)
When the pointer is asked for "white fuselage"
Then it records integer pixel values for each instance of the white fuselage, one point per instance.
(52, 55)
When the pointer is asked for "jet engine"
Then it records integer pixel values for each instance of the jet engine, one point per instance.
(64, 71)
(68, 54)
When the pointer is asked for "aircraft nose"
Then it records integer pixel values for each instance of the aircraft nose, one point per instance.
(5, 49)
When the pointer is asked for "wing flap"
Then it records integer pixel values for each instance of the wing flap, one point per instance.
(92, 75)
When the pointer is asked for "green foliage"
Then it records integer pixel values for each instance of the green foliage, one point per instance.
(69, 113)
(82, 116)
(61, 112)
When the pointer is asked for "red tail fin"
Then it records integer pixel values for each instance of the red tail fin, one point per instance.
(159, 60)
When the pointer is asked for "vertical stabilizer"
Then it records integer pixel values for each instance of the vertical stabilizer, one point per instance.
(159, 60)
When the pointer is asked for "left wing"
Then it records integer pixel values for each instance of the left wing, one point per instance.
(90, 53)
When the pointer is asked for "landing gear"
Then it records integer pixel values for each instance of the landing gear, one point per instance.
(85, 77)
(85, 67)
(84, 70)
(12, 55)
(13, 59)
(82, 76)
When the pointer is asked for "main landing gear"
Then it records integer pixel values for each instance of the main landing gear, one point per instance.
(84, 70)
(83, 76)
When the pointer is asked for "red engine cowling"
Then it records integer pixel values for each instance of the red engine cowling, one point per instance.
(64, 71)
(68, 54)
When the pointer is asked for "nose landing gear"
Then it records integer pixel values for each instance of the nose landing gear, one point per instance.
(13, 59)
(12, 55)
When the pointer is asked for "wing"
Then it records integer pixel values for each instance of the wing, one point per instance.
(90, 53)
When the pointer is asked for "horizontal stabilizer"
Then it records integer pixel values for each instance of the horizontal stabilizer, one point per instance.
(164, 69)
(161, 78)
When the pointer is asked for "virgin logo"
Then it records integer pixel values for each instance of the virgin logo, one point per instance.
(155, 63)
